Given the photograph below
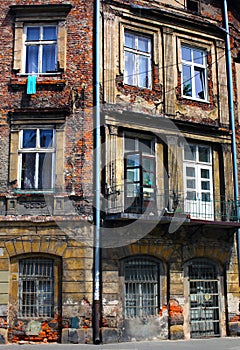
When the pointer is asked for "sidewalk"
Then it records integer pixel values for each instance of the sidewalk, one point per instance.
(200, 344)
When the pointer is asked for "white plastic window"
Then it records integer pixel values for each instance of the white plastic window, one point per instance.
(194, 72)
(198, 197)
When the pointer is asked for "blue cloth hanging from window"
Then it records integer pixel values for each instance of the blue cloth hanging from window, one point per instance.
(31, 84)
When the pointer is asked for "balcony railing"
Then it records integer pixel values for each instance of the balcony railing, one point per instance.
(154, 202)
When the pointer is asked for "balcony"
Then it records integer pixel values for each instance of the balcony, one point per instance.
(152, 203)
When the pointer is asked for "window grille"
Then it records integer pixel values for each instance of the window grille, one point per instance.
(36, 287)
(141, 287)
(204, 299)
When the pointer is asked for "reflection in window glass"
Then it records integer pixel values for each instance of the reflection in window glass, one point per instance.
(190, 152)
(41, 49)
(36, 159)
(205, 185)
(194, 72)
(205, 174)
(190, 172)
(137, 60)
(204, 154)
(29, 138)
(187, 81)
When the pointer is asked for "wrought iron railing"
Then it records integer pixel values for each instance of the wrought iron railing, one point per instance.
(154, 202)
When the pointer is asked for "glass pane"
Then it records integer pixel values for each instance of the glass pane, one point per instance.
(143, 44)
(204, 154)
(198, 56)
(191, 184)
(33, 33)
(133, 160)
(148, 164)
(191, 195)
(46, 138)
(206, 197)
(129, 40)
(199, 83)
(50, 33)
(148, 179)
(187, 81)
(133, 190)
(130, 144)
(186, 54)
(49, 58)
(129, 68)
(45, 171)
(190, 172)
(32, 59)
(190, 152)
(205, 174)
(29, 139)
(145, 146)
(28, 170)
(133, 175)
(143, 71)
(205, 185)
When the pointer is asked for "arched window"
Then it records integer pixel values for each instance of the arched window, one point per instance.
(141, 287)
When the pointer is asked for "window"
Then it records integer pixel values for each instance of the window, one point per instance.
(194, 69)
(40, 38)
(198, 181)
(141, 276)
(36, 158)
(137, 60)
(192, 5)
(36, 287)
(40, 49)
(139, 174)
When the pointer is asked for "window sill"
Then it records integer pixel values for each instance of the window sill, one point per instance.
(33, 192)
(56, 79)
(195, 99)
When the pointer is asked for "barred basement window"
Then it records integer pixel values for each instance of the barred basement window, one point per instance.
(36, 287)
(141, 287)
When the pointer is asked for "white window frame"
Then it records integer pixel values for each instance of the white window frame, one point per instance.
(194, 66)
(197, 207)
(138, 53)
(40, 43)
(37, 150)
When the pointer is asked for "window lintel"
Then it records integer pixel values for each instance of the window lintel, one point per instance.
(40, 12)
(29, 117)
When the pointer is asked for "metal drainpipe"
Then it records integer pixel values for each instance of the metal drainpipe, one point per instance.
(232, 120)
(97, 182)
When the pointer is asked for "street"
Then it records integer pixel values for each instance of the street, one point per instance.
(208, 344)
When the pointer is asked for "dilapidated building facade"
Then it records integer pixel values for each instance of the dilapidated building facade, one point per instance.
(169, 218)
(171, 262)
